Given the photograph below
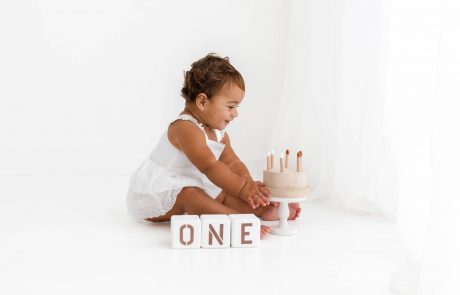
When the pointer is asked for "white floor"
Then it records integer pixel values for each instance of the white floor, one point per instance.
(72, 235)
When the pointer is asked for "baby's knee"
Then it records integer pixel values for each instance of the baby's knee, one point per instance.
(190, 191)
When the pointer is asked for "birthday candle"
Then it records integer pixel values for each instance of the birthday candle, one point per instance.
(282, 167)
(286, 163)
(268, 162)
(299, 161)
(272, 159)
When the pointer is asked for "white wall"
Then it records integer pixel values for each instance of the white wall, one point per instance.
(87, 87)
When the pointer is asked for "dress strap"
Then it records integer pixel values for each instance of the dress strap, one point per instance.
(186, 117)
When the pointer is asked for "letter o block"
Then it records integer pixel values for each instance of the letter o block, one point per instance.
(185, 231)
(245, 230)
(215, 231)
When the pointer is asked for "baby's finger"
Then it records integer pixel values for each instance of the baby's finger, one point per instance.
(260, 193)
(263, 200)
(265, 191)
(251, 203)
(262, 186)
(255, 201)
(260, 183)
(265, 197)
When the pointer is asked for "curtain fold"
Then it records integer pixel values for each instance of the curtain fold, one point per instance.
(371, 95)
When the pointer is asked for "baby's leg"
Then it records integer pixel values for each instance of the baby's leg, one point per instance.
(241, 206)
(269, 212)
(194, 201)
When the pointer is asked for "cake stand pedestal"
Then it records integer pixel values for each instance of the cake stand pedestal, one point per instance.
(283, 228)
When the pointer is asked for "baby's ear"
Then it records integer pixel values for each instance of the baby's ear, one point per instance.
(201, 101)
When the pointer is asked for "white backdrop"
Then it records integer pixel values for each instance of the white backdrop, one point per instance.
(87, 87)
(371, 95)
(367, 89)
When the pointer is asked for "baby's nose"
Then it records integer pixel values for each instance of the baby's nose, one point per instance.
(235, 113)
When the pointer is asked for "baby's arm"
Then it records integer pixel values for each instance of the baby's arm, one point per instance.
(230, 158)
(185, 136)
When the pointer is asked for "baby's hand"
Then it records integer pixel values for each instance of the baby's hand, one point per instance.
(263, 188)
(267, 193)
(255, 194)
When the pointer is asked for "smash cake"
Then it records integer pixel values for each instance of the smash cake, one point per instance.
(285, 182)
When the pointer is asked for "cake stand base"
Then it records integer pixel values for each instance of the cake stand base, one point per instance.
(283, 229)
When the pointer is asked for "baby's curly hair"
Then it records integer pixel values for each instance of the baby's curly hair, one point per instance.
(208, 75)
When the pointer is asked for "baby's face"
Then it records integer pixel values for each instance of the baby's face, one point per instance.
(222, 108)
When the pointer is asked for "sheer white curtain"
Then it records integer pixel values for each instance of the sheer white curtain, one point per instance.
(372, 96)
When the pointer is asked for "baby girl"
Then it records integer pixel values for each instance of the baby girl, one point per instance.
(193, 169)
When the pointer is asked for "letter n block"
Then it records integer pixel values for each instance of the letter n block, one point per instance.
(185, 231)
(215, 231)
(245, 230)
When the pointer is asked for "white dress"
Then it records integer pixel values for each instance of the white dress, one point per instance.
(154, 186)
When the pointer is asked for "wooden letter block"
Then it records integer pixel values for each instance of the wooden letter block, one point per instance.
(185, 231)
(215, 231)
(245, 230)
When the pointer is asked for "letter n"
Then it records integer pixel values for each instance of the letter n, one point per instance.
(212, 232)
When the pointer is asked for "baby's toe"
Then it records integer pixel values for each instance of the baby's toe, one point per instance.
(294, 213)
(297, 214)
(264, 230)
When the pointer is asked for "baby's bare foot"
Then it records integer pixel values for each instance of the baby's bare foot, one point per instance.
(264, 230)
(294, 211)
(271, 212)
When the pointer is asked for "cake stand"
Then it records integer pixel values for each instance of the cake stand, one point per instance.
(283, 228)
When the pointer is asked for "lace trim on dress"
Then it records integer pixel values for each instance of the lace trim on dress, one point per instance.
(153, 190)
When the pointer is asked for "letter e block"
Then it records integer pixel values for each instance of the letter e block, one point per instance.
(185, 231)
(245, 230)
(215, 231)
